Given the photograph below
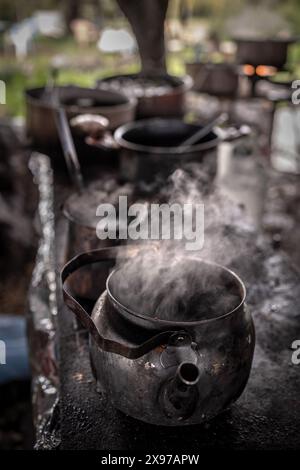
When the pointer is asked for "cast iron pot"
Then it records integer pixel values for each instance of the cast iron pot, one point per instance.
(214, 79)
(80, 210)
(170, 103)
(151, 151)
(40, 119)
(272, 52)
(165, 372)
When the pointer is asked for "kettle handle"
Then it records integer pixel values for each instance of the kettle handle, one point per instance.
(108, 345)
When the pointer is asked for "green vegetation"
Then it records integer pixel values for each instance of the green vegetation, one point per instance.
(84, 65)
(76, 70)
(35, 70)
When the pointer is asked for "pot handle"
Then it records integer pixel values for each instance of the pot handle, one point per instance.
(85, 259)
(106, 142)
(230, 134)
(95, 130)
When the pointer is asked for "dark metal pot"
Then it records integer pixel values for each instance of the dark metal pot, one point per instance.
(165, 372)
(40, 119)
(214, 79)
(151, 151)
(80, 211)
(272, 52)
(156, 102)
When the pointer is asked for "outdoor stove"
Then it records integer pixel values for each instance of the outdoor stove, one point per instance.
(82, 416)
(261, 59)
(73, 410)
(256, 74)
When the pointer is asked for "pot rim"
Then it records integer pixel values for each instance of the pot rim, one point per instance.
(72, 219)
(120, 131)
(185, 85)
(130, 103)
(180, 324)
(228, 65)
(264, 40)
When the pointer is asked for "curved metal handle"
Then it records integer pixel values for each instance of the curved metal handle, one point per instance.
(68, 148)
(84, 259)
(233, 133)
(95, 129)
(106, 142)
(205, 130)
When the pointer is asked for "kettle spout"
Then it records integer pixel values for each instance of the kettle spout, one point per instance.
(180, 394)
(187, 374)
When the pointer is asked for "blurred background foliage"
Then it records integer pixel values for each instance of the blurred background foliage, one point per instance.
(83, 64)
(14, 10)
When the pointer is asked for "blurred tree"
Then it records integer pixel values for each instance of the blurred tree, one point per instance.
(291, 11)
(8, 10)
(98, 11)
(73, 10)
(215, 10)
(185, 10)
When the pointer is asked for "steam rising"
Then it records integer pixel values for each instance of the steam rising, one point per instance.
(165, 281)
(174, 289)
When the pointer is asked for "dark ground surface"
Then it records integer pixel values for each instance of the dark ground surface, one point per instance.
(16, 429)
(18, 241)
(267, 416)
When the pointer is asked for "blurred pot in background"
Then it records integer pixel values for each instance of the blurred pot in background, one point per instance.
(214, 79)
(152, 149)
(158, 95)
(40, 118)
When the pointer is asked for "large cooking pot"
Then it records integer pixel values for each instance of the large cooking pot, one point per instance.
(214, 79)
(151, 150)
(40, 118)
(166, 372)
(158, 95)
(272, 52)
(80, 210)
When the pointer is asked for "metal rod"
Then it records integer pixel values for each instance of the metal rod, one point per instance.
(68, 147)
(204, 130)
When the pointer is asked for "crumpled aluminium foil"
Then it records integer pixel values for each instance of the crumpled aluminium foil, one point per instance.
(42, 312)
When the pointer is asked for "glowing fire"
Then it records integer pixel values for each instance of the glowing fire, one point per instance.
(248, 69)
(260, 70)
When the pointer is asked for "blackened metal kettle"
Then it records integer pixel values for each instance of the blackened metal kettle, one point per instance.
(159, 371)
